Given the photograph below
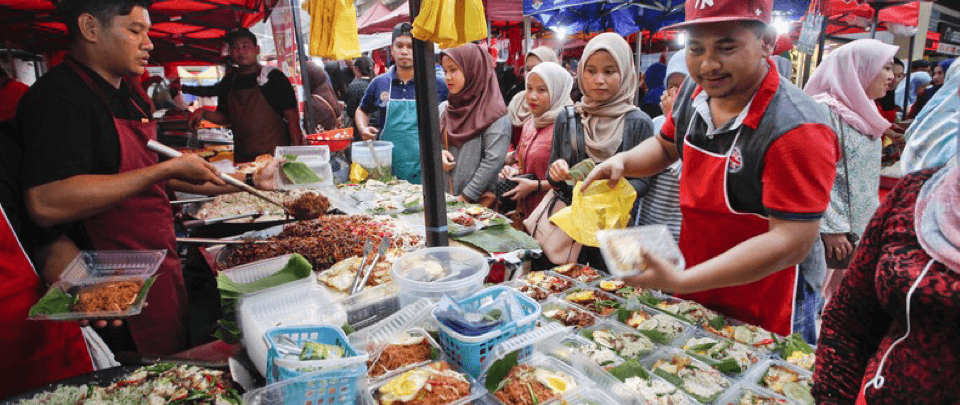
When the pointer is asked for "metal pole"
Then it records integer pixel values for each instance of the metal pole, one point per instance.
(309, 121)
(428, 123)
(876, 20)
(906, 85)
(527, 37)
(639, 49)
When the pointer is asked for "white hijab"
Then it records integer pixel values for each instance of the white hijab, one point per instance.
(559, 84)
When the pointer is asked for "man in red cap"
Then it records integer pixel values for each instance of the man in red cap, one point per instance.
(759, 162)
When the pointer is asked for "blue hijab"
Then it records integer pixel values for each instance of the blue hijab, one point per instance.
(654, 78)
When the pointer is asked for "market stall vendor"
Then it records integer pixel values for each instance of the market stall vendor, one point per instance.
(394, 95)
(90, 181)
(257, 102)
(759, 161)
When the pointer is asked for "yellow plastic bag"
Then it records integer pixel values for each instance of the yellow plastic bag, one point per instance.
(333, 29)
(357, 173)
(450, 23)
(599, 207)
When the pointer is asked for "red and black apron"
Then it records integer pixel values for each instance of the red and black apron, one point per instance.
(711, 227)
(34, 353)
(144, 222)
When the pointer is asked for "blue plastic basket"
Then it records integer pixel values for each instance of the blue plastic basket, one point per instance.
(472, 352)
(331, 381)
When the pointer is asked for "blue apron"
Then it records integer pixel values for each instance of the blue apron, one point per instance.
(400, 127)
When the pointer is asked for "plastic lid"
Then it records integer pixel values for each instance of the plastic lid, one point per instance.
(439, 269)
(107, 264)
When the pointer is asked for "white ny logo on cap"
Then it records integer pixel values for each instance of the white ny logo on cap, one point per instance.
(702, 4)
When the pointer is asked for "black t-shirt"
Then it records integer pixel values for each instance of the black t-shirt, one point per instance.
(277, 90)
(67, 129)
(10, 198)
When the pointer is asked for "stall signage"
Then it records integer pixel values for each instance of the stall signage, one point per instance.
(810, 33)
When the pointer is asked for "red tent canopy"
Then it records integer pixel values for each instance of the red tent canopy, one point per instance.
(386, 22)
(376, 12)
(905, 14)
(183, 30)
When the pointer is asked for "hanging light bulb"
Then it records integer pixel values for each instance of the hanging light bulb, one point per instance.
(682, 38)
(781, 25)
(561, 32)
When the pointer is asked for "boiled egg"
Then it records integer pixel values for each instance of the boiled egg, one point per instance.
(611, 285)
(556, 382)
(405, 387)
(535, 277)
(475, 211)
(582, 296)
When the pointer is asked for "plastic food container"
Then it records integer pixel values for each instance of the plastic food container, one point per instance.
(751, 357)
(800, 396)
(723, 382)
(305, 154)
(435, 272)
(371, 305)
(262, 269)
(360, 153)
(292, 305)
(733, 397)
(656, 239)
(90, 268)
(476, 390)
(553, 303)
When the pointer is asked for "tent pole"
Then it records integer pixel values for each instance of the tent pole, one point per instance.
(308, 120)
(906, 85)
(640, 49)
(876, 20)
(527, 37)
(428, 124)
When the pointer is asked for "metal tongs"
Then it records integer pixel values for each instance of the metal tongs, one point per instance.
(173, 153)
(203, 222)
(358, 282)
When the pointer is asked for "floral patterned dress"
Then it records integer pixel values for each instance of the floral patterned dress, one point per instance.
(869, 314)
(855, 191)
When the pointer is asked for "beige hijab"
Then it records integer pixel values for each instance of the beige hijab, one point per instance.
(559, 84)
(518, 110)
(603, 122)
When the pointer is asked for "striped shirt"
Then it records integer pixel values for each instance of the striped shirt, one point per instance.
(661, 205)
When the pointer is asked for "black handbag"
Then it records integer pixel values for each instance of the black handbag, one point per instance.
(506, 204)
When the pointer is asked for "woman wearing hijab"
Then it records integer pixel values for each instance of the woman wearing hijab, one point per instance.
(918, 82)
(654, 77)
(931, 136)
(937, 80)
(519, 109)
(548, 92)
(890, 334)
(606, 121)
(474, 125)
(323, 103)
(849, 82)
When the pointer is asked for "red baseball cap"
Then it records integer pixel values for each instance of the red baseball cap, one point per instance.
(711, 11)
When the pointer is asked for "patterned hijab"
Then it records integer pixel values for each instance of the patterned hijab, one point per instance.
(937, 216)
(479, 103)
(603, 121)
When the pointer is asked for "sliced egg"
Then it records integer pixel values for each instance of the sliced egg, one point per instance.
(535, 277)
(556, 382)
(405, 387)
(611, 285)
(475, 211)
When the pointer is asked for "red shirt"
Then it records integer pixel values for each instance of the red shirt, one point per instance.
(10, 95)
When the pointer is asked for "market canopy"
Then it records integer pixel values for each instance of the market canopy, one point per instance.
(182, 29)
(374, 13)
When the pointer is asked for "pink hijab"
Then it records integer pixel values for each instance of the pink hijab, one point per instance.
(841, 80)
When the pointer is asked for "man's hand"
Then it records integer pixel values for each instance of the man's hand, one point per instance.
(509, 171)
(193, 170)
(612, 170)
(448, 161)
(559, 170)
(658, 274)
(837, 245)
(196, 117)
(524, 188)
(369, 133)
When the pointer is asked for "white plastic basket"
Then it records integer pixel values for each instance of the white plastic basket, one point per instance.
(292, 305)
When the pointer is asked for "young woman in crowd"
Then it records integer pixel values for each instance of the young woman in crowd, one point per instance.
(849, 82)
(548, 92)
(890, 334)
(918, 81)
(936, 82)
(606, 121)
(474, 125)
